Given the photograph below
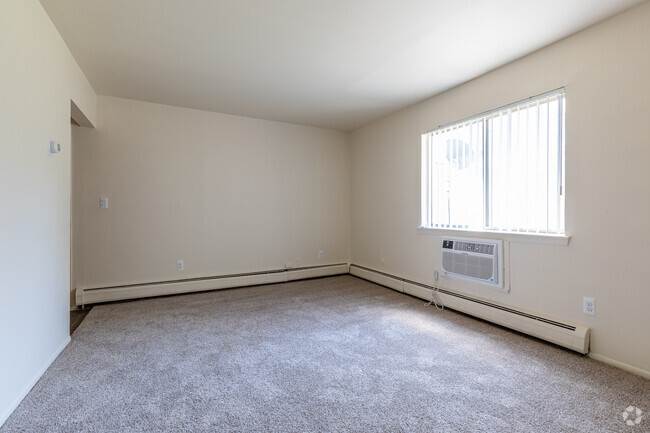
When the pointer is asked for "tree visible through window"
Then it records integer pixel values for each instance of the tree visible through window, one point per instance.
(499, 171)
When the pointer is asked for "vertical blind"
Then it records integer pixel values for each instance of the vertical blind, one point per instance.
(502, 170)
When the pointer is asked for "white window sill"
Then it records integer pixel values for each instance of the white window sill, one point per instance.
(531, 238)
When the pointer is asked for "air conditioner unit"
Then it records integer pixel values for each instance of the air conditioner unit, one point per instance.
(477, 260)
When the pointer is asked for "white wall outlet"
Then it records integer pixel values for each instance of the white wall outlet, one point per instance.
(320, 255)
(589, 306)
(180, 265)
(103, 202)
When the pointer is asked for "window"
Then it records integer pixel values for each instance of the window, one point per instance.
(499, 171)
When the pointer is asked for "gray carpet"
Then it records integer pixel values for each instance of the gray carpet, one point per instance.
(332, 354)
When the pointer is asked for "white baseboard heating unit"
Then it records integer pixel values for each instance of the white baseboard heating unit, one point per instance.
(562, 333)
(94, 295)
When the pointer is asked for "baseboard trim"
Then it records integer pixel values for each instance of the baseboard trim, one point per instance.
(87, 296)
(623, 366)
(570, 335)
(378, 277)
(381, 278)
(8, 411)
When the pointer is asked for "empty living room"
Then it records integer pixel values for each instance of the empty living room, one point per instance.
(324, 216)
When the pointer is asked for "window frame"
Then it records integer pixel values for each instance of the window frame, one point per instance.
(559, 238)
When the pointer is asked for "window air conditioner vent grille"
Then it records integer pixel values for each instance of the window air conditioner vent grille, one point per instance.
(477, 260)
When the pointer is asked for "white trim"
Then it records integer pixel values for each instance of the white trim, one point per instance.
(9, 410)
(570, 335)
(577, 339)
(303, 274)
(530, 238)
(86, 295)
(376, 277)
(627, 367)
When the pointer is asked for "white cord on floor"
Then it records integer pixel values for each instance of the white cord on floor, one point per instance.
(436, 289)
(439, 305)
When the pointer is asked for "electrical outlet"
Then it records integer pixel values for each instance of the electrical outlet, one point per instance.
(589, 306)
(103, 202)
(320, 255)
(180, 265)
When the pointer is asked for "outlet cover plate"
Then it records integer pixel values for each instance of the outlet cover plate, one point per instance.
(589, 306)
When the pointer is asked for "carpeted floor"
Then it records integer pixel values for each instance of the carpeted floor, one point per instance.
(326, 355)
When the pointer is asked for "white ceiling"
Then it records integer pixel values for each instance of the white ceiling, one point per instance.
(330, 63)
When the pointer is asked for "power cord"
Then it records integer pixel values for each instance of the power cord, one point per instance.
(436, 288)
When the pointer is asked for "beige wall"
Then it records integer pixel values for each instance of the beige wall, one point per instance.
(38, 79)
(226, 194)
(229, 194)
(605, 70)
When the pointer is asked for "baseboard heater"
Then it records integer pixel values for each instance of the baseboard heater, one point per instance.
(569, 335)
(95, 295)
